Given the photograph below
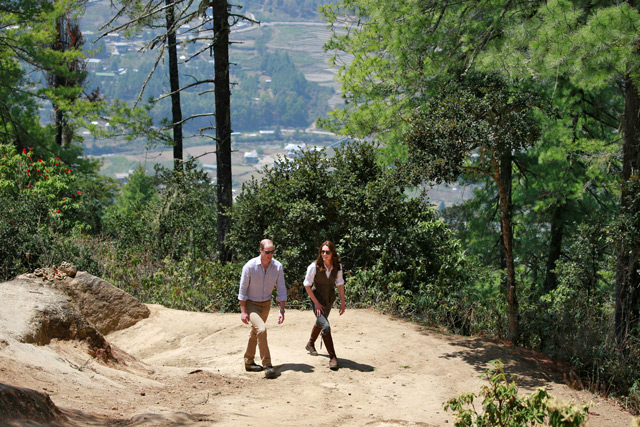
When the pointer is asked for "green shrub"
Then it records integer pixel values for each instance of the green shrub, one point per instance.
(195, 285)
(40, 199)
(23, 233)
(372, 287)
(502, 406)
(178, 220)
(574, 321)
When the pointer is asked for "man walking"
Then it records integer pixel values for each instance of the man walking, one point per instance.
(259, 276)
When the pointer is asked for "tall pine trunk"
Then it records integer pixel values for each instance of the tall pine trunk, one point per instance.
(503, 178)
(59, 125)
(223, 122)
(68, 37)
(555, 248)
(627, 265)
(174, 81)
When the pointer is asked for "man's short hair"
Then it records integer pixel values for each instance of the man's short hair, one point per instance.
(264, 243)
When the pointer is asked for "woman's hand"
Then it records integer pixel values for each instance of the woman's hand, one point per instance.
(342, 308)
(319, 308)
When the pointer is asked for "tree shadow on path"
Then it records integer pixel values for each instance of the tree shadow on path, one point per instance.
(531, 369)
(297, 367)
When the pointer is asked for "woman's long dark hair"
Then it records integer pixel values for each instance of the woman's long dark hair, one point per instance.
(335, 258)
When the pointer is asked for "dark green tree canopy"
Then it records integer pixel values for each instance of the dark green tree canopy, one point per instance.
(469, 125)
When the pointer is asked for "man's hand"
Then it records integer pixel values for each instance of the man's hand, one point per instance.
(281, 317)
(245, 318)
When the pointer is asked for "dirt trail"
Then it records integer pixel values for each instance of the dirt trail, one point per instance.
(183, 368)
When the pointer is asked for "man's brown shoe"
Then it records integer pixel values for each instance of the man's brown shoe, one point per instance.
(252, 367)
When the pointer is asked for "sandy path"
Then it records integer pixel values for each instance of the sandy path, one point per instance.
(392, 372)
(184, 368)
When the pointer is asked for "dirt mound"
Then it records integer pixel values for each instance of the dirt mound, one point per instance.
(58, 304)
(65, 304)
(20, 406)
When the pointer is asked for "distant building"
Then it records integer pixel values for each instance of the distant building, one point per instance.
(251, 157)
(93, 63)
(293, 150)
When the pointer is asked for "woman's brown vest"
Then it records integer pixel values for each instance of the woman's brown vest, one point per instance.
(323, 286)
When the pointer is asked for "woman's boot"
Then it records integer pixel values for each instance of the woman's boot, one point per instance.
(311, 345)
(328, 343)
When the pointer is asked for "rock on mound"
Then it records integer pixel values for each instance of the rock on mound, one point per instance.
(60, 303)
(102, 304)
(105, 306)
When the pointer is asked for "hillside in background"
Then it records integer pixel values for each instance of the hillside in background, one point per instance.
(291, 89)
(282, 83)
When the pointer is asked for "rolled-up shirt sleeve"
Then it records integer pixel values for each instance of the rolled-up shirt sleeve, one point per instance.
(280, 286)
(339, 277)
(311, 274)
(245, 280)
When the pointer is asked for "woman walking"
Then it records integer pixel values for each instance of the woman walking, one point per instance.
(323, 275)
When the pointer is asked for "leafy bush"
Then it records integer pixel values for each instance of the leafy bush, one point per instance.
(163, 242)
(184, 222)
(194, 285)
(178, 220)
(42, 200)
(502, 406)
(574, 321)
(23, 234)
(388, 294)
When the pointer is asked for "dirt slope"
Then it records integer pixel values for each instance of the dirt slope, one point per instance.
(183, 368)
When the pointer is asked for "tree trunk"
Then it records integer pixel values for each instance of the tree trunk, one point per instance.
(68, 37)
(555, 249)
(174, 81)
(627, 265)
(59, 125)
(223, 122)
(504, 185)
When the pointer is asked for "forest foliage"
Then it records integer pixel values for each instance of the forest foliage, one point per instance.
(535, 104)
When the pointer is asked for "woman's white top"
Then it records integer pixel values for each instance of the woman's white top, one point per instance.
(311, 274)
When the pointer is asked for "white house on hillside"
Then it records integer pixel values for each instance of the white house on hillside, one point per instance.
(251, 157)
